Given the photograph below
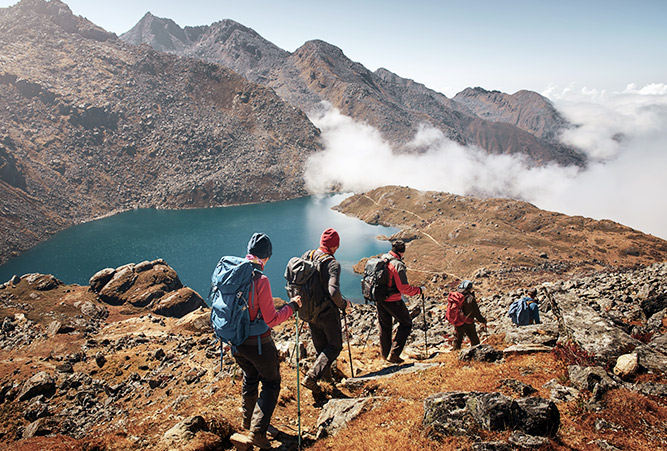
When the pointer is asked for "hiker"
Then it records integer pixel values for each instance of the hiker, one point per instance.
(258, 356)
(462, 311)
(325, 328)
(393, 307)
(533, 306)
(526, 310)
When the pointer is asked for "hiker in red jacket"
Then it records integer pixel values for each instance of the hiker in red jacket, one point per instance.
(462, 311)
(394, 307)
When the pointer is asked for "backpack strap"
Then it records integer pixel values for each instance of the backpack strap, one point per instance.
(319, 259)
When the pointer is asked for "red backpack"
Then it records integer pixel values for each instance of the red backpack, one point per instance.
(454, 309)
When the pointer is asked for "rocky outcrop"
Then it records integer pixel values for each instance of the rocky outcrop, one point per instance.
(151, 285)
(465, 413)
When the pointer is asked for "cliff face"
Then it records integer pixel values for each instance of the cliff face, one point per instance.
(90, 125)
(526, 124)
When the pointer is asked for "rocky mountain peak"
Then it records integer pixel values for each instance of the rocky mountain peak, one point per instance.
(161, 34)
(58, 13)
(524, 109)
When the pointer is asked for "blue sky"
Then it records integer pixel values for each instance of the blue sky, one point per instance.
(503, 45)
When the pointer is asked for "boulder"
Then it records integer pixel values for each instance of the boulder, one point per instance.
(338, 412)
(626, 366)
(41, 383)
(198, 321)
(183, 432)
(40, 427)
(179, 303)
(481, 353)
(100, 279)
(536, 416)
(42, 282)
(492, 411)
(464, 413)
(587, 378)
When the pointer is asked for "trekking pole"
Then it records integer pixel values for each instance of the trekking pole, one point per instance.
(347, 332)
(298, 391)
(425, 328)
(294, 351)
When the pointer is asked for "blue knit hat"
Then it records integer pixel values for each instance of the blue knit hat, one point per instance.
(260, 245)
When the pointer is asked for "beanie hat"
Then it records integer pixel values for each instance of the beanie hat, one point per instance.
(465, 285)
(330, 239)
(260, 245)
(398, 246)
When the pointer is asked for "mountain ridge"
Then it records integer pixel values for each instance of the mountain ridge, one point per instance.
(319, 71)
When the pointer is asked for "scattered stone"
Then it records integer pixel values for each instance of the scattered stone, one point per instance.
(184, 431)
(481, 353)
(41, 383)
(626, 366)
(338, 412)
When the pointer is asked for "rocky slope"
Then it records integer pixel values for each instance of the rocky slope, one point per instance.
(117, 366)
(90, 125)
(396, 106)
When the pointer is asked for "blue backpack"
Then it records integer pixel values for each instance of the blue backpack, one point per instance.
(232, 289)
(519, 312)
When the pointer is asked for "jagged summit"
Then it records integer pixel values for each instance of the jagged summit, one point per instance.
(397, 107)
(161, 34)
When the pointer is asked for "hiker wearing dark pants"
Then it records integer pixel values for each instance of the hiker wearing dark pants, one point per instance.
(470, 311)
(394, 306)
(257, 356)
(325, 329)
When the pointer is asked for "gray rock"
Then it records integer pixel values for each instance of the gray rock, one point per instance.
(41, 383)
(492, 411)
(587, 378)
(100, 279)
(338, 412)
(536, 416)
(446, 414)
(481, 353)
(40, 427)
(526, 441)
(491, 446)
(183, 432)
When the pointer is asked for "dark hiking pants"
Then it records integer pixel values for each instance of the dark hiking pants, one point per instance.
(263, 368)
(328, 341)
(470, 331)
(387, 312)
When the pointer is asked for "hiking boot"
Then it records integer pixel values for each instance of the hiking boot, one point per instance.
(259, 440)
(394, 359)
(311, 384)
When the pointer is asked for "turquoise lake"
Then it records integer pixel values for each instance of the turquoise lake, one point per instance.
(192, 242)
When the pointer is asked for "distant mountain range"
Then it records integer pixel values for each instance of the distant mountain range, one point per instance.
(524, 122)
(91, 124)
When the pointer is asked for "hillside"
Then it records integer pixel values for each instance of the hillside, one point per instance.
(119, 365)
(318, 71)
(90, 125)
(500, 243)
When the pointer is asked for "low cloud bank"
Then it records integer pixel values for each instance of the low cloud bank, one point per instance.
(624, 134)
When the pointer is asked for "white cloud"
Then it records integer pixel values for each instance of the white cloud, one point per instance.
(624, 133)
